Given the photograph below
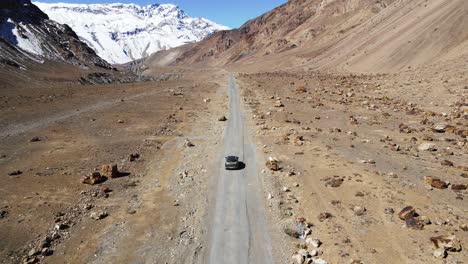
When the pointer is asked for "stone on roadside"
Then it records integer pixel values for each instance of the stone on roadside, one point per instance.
(222, 119)
(273, 164)
(110, 170)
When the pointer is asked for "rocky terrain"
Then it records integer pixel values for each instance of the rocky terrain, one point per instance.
(354, 151)
(359, 111)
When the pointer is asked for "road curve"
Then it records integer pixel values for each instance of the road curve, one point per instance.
(239, 232)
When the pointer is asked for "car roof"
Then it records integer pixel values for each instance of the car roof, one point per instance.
(231, 158)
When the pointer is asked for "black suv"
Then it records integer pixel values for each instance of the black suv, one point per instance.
(232, 163)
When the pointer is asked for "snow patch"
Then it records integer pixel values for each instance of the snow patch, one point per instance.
(20, 36)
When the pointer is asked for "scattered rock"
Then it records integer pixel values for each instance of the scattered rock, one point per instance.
(278, 103)
(440, 253)
(273, 164)
(95, 178)
(35, 139)
(206, 100)
(110, 170)
(334, 182)
(447, 242)
(459, 187)
(120, 121)
(407, 213)
(3, 214)
(359, 210)
(313, 242)
(427, 146)
(60, 227)
(134, 157)
(431, 182)
(413, 223)
(298, 259)
(47, 252)
(98, 215)
(324, 216)
(33, 252)
(447, 163)
(188, 144)
(439, 128)
(319, 261)
(389, 211)
(15, 173)
(222, 119)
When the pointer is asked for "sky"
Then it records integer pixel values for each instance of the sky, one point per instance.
(229, 13)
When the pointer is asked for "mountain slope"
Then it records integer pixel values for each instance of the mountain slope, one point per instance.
(354, 35)
(121, 33)
(27, 34)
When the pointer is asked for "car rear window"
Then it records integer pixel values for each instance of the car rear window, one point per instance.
(231, 158)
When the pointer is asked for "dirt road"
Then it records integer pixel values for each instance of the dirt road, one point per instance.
(239, 233)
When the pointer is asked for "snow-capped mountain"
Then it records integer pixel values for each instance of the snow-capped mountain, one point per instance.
(120, 33)
(27, 34)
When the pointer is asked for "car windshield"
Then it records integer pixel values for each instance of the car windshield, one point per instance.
(232, 158)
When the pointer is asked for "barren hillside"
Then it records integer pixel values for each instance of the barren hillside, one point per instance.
(358, 35)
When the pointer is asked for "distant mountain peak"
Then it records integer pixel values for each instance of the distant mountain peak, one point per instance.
(120, 33)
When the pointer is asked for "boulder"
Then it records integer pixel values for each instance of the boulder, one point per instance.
(427, 146)
(134, 157)
(301, 90)
(273, 164)
(439, 128)
(447, 242)
(98, 215)
(110, 170)
(95, 178)
(459, 187)
(324, 216)
(319, 261)
(359, 210)
(447, 163)
(35, 139)
(298, 258)
(439, 253)
(15, 173)
(278, 103)
(407, 213)
(315, 243)
(188, 144)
